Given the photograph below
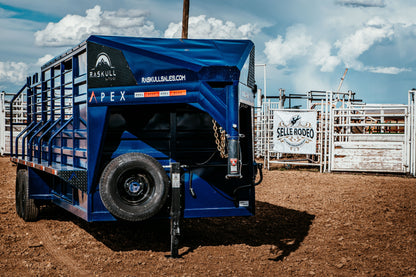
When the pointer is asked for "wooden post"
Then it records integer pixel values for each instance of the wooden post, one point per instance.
(185, 19)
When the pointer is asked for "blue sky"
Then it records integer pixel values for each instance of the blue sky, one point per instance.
(306, 45)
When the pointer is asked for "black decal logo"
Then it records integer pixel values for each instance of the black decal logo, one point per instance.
(294, 119)
(107, 67)
(103, 68)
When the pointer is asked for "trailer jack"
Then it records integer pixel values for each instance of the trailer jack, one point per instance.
(175, 209)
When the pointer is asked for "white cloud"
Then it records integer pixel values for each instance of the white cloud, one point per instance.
(14, 72)
(386, 70)
(322, 57)
(363, 3)
(307, 78)
(297, 43)
(72, 29)
(301, 49)
(353, 46)
(203, 27)
(44, 59)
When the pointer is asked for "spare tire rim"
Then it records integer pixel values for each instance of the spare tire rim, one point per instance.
(135, 187)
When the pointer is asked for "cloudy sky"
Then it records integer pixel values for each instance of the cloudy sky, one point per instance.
(306, 45)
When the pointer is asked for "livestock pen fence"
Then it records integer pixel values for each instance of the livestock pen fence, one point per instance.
(347, 135)
(18, 115)
(350, 136)
(318, 103)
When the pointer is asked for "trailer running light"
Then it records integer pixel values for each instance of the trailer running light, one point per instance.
(160, 93)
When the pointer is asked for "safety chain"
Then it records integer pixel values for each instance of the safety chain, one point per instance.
(220, 139)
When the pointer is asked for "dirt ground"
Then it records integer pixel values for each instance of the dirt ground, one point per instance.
(306, 223)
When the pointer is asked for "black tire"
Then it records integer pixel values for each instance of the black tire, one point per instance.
(26, 208)
(134, 187)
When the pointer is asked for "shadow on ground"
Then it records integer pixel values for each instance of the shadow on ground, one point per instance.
(284, 229)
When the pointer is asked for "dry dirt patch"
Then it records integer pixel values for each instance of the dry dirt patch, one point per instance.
(306, 223)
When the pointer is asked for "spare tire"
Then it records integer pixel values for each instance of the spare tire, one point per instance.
(134, 187)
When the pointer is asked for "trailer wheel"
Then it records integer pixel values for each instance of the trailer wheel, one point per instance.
(134, 187)
(26, 208)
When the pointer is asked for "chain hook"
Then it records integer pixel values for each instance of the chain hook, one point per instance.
(220, 139)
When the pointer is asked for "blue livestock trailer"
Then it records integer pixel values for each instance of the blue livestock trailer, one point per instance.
(135, 128)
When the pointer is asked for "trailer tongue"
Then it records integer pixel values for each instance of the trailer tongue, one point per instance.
(118, 125)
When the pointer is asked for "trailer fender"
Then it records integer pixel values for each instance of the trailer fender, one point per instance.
(134, 187)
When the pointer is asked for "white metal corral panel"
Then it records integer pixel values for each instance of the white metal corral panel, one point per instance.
(2, 124)
(377, 156)
(377, 138)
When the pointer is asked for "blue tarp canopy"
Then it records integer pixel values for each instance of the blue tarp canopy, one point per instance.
(192, 54)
